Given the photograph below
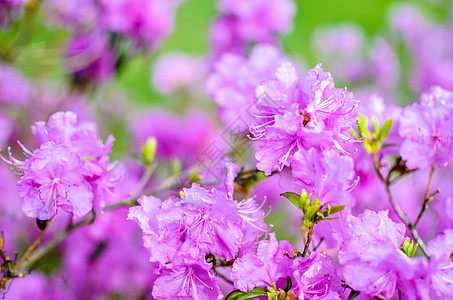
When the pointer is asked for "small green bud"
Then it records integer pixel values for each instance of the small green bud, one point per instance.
(149, 150)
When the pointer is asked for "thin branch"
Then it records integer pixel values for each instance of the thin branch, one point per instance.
(397, 209)
(427, 196)
(309, 237)
(30, 249)
(36, 255)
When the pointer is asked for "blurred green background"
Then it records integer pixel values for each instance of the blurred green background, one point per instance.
(194, 18)
(40, 56)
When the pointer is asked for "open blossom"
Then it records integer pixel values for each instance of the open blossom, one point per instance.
(82, 138)
(202, 222)
(370, 257)
(187, 279)
(54, 177)
(316, 277)
(69, 169)
(427, 130)
(300, 114)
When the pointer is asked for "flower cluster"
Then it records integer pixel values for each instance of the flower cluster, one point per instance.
(300, 114)
(181, 232)
(359, 183)
(426, 128)
(70, 169)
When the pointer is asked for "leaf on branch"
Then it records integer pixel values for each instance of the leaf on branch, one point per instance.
(385, 130)
(240, 295)
(288, 284)
(295, 199)
(336, 208)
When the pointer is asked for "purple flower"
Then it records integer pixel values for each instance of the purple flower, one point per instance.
(224, 171)
(316, 277)
(89, 57)
(437, 282)
(54, 177)
(369, 227)
(299, 114)
(200, 223)
(426, 128)
(188, 278)
(253, 225)
(145, 22)
(382, 270)
(268, 266)
(260, 20)
(82, 138)
(370, 257)
(327, 174)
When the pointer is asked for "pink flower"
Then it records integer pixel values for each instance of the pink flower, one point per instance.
(54, 177)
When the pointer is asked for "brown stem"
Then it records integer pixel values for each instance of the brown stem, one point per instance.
(397, 209)
(30, 249)
(307, 244)
(427, 196)
(36, 255)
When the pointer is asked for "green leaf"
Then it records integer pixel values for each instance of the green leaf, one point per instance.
(377, 128)
(295, 199)
(363, 126)
(312, 210)
(409, 248)
(336, 208)
(288, 284)
(385, 130)
(240, 295)
(234, 294)
(414, 250)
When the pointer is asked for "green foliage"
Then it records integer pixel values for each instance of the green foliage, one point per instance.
(313, 212)
(372, 141)
(288, 284)
(409, 248)
(240, 295)
(149, 150)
